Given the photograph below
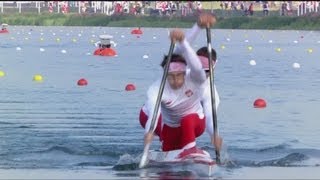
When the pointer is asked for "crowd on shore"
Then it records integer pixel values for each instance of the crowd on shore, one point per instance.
(165, 8)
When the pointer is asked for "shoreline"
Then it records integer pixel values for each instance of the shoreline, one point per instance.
(308, 22)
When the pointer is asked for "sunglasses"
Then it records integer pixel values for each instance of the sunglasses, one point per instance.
(207, 71)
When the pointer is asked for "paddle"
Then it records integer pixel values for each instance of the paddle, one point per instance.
(213, 102)
(143, 161)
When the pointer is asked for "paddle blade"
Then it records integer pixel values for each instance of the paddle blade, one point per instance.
(144, 158)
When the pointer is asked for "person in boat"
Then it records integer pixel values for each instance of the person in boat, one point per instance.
(4, 27)
(182, 114)
(105, 46)
(203, 54)
(216, 140)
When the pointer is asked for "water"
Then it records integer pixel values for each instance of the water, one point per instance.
(58, 128)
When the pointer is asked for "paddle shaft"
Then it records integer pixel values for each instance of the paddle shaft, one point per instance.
(213, 102)
(157, 105)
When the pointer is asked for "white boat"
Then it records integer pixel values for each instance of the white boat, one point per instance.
(194, 158)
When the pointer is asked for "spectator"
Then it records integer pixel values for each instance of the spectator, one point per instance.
(283, 9)
(226, 4)
(265, 8)
(173, 7)
(242, 6)
(126, 7)
(251, 9)
(199, 7)
(138, 8)
(50, 8)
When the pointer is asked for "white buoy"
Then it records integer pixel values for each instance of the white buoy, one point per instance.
(122, 36)
(18, 48)
(145, 56)
(88, 54)
(228, 39)
(53, 34)
(93, 35)
(295, 41)
(154, 37)
(79, 35)
(270, 41)
(63, 51)
(41, 49)
(253, 62)
(246, 40)
(296, 65)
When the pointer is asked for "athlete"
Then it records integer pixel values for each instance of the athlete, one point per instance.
(216, 140)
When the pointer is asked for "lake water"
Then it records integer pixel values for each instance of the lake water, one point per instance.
(57, 129)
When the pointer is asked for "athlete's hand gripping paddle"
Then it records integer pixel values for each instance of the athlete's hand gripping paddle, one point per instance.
(144, 158)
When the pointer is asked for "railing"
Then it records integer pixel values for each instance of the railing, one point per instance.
(307, 7)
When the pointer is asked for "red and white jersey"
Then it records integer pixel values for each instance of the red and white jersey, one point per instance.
(177, 103)
(191, 35)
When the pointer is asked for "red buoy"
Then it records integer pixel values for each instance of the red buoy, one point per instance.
(136, 31)
(82, 82)
(4, 31)
(130, 87)
(259, 103)
(105, 52)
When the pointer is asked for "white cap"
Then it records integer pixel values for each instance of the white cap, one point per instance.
(105, 39)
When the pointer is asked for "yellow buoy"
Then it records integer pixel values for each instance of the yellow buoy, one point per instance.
(310, 50)
(37, 78)
(249, 48)
(278, 49)
(58, 39)
(2, 73)
(223, 47)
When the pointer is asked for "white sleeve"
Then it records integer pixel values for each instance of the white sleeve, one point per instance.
(197, 74)
(152, 95)
(191, 35)
(207, 107)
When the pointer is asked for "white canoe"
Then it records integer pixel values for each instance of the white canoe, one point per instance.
(188, 158)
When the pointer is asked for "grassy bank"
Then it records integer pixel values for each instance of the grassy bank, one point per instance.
(310, 22)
